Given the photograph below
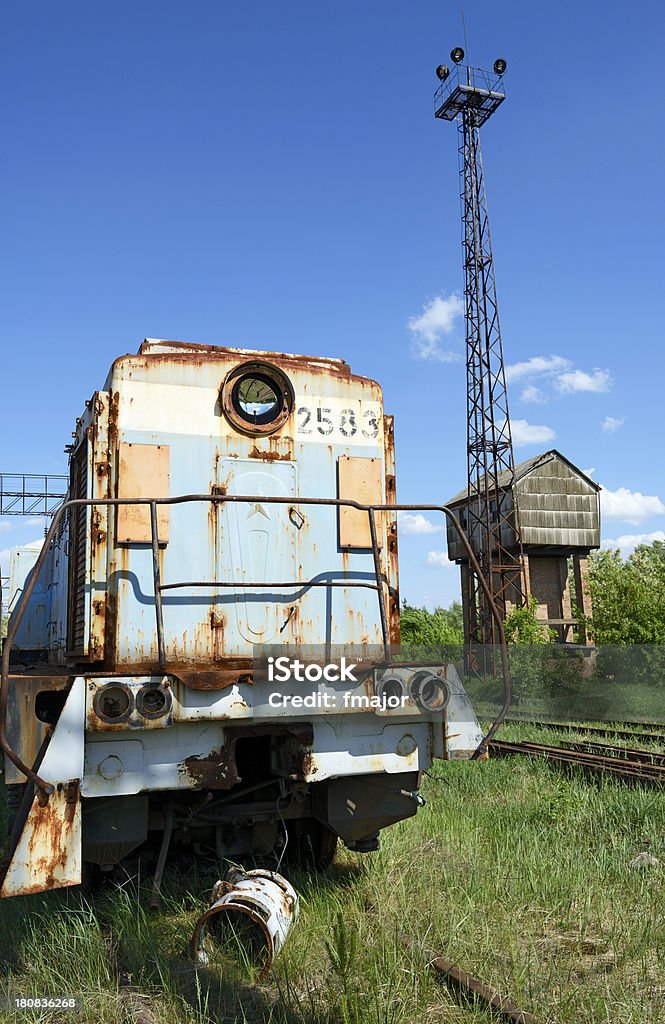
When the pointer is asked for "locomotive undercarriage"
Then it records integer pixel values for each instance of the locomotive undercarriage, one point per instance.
(268, 821)
(264, 815)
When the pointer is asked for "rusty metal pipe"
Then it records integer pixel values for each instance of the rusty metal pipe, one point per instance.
(503, 1007)
(377, 572)
(16, 618)
(161, 859)
(291, 584)
(28, 796)
(159, 612)
(503, 647)
(266, 898)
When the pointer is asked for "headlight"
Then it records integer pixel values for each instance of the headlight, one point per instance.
(113, 703)
(153, 701)
(429, 691)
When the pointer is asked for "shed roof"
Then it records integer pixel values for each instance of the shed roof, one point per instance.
(523, 469)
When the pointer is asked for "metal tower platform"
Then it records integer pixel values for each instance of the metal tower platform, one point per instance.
(469, 89)
(25, 494)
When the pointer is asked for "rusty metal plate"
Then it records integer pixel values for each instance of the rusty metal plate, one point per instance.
(358, 479)
(143, 472)
(48, 853)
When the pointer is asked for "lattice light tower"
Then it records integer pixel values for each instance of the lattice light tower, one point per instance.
(470, 96)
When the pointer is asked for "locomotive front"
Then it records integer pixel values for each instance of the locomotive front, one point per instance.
(205, 652)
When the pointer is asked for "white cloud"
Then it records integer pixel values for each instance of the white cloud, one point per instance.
(411, 524)
(556, 374)
(5, 525)
(438, 318)
(627, 542)
(530, 433)
(439, 559)
(537, 366)
(577, 380)
(611, 424)
(590, 471)
(629, 506)
(532, 394)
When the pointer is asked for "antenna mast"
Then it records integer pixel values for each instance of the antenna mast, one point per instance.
(470, 96)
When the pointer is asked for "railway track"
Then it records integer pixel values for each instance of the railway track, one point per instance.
(597, 730)
(625, 753)
(630, 766)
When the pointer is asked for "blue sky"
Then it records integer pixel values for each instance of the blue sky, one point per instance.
(272, 176)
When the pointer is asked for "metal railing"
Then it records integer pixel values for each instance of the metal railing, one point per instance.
(159, 588)
(467, 88)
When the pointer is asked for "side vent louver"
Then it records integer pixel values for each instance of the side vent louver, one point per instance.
(78, 553)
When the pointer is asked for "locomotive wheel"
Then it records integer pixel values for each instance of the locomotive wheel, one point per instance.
(311, 844)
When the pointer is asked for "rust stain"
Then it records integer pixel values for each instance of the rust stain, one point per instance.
(114, 408)
(214, 677)
(391, 570)
(217, 623)
(270, 455)
(48, 846)
(308, 766)
(218, 770)
(194, 354)
(110, 622)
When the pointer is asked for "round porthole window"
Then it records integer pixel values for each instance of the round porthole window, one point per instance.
(257, 398)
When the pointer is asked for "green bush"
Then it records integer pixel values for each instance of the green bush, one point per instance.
(523, 627)
(442, 626)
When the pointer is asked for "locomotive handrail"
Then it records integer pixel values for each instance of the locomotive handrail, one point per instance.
(46, 787)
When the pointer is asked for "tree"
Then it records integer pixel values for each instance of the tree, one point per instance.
(628, 618)
(628, 597)
(442, 626)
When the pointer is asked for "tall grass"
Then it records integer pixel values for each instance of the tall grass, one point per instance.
(517, 872)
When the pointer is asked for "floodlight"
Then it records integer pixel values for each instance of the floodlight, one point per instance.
(442, 72)
(457, 54)
(499, 66)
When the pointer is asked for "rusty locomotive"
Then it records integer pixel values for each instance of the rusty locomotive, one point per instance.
(224, 505)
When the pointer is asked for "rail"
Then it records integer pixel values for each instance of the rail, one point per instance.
(159, 587)
(640, 766)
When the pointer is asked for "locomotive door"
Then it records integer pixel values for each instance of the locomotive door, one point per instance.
(258, 544)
